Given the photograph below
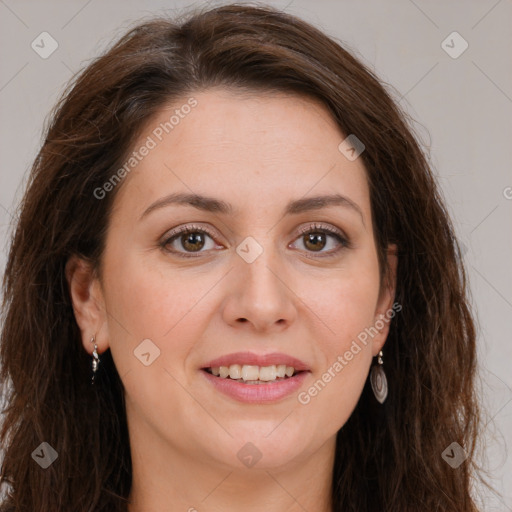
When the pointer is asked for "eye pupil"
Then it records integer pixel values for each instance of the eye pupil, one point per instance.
(192, 240)
(189, 240)
(316, 239)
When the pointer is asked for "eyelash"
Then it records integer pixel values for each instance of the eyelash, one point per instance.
(312, 228)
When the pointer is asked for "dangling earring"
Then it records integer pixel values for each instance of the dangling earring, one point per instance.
(378, 380)
(95, 360)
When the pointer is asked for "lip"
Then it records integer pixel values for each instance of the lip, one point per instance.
(257, 393)
(271, 391)
(250, 358)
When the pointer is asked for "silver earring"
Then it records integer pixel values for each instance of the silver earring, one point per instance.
(378, 380)
(95, 360)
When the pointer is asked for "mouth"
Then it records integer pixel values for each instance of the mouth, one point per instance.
(252, 374)
(252, 378)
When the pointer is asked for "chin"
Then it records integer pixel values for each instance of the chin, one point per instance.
(259, 445)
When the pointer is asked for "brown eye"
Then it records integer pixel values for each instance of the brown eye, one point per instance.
(192, 241)
(315, 241)
(188, 240)
(323, 240)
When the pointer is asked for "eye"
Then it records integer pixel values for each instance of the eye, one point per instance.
(187, 240)
(315, 238)
(190, 238)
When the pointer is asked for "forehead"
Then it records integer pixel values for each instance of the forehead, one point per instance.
(253, 150)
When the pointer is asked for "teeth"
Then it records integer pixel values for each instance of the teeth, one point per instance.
(281, 370)
(235, 371)
(268, 373)
(248, 372)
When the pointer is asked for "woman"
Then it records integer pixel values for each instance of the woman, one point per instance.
(232, 222)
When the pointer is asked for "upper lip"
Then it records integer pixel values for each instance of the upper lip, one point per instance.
(250, 358)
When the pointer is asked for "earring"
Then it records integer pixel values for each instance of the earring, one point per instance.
(95, 360)
(378, 380)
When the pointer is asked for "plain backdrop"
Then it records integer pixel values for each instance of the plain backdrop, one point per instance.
(462, 105)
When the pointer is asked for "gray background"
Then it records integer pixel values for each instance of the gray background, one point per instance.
(462, 106)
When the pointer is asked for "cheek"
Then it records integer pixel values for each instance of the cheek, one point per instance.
(352, 316)
(336, 386)
(143, 305)
(349, 306)
(354, 309)
(349, 312)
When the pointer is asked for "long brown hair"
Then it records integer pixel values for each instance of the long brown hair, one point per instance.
(388, 457)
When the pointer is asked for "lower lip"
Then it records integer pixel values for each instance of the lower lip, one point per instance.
(257, 393)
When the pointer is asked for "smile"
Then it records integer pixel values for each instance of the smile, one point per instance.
(255, 378)
(252, 374)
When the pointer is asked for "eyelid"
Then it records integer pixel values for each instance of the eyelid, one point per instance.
(311, 227)
(343, 240)
(303, 229)
(188, 227)
(166, 239)
(319, 226)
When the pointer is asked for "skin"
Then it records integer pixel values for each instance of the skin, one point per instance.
(257, 152)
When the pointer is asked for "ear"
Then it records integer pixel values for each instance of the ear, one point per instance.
(386, 310)
(88, 303)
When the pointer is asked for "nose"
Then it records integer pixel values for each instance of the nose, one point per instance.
(260, 295)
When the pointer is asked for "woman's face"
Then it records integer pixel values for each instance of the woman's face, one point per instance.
(246, 286)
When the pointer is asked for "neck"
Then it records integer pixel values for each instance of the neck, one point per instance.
(167, 477)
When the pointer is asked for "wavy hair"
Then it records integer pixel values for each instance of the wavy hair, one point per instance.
(388, 457)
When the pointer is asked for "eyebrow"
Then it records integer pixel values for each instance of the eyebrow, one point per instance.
(213, 205)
